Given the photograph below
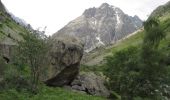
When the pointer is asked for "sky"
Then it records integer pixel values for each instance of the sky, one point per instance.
(55, 14)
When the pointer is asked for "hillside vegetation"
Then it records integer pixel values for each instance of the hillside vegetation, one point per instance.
(9, 29)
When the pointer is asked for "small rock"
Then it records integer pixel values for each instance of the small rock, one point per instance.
(91, 84)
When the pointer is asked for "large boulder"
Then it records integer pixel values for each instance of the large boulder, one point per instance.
(91, 84)
(65, 54)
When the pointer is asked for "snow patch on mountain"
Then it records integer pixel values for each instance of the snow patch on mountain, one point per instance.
(99, 39)
(117, 18)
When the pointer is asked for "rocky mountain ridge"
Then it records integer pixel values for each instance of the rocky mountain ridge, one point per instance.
(101, 26)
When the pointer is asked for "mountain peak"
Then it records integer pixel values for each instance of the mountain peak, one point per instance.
(104, 9)
(90, 12)
(100, 26)
(104, 5)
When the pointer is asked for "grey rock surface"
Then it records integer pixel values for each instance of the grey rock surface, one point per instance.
(65, 54)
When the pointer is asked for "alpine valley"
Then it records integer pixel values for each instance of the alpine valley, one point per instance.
(104, 54)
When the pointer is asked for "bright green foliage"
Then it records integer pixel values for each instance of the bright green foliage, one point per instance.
(46, 93)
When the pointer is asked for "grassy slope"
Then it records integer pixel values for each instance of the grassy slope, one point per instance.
(47, 93)
(9, 29)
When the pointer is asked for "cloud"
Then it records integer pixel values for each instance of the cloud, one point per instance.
(56, 13)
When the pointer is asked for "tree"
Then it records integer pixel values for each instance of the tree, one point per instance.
(139, 72)
(32, 52)
(153, 69)
(123, 72)
(153, 33)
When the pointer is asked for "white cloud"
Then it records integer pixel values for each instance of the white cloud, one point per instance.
(56, 13)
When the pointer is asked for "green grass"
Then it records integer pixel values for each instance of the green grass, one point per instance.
(132, 41)
(47, 93)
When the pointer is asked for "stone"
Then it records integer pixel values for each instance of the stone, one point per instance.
(91, 84)
(65, 55)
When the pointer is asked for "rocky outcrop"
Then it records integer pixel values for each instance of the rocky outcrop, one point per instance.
(6, 48)
(66, 54)
(91, 84)
(101, 26)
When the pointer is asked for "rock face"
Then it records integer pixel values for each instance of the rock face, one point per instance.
(91, 84)
(6, 52)
(101, 26)
(66, 54)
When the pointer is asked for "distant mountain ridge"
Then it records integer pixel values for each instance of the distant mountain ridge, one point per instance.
(101, 26)
(9, 27)
(161, 11)
(18, 20)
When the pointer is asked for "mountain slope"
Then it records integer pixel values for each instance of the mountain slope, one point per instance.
(101, 26)
(96, 57)
(162, 11)
(9, 29)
